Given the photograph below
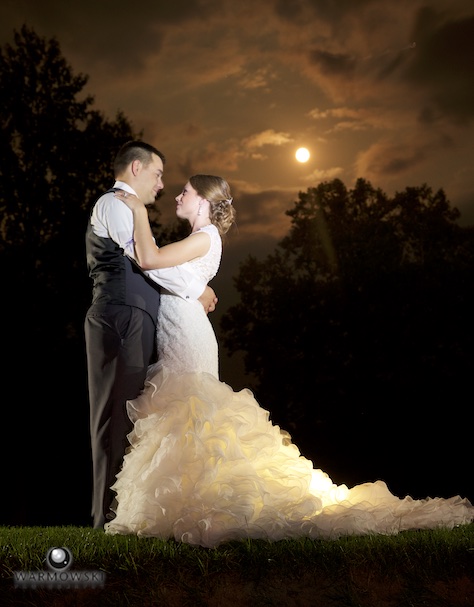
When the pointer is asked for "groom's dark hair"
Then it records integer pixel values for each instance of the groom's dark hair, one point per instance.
(135, 150)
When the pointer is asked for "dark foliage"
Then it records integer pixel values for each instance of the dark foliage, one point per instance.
(359, 330)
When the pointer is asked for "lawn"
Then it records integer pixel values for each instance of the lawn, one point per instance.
(413, 569)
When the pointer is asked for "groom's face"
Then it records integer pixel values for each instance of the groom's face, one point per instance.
(150, 180)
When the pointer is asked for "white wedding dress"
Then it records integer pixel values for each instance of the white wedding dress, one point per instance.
(206, 465)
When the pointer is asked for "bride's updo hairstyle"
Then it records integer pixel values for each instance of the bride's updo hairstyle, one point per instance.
(217, 191)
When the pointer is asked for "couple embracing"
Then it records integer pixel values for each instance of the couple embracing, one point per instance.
(177, 453)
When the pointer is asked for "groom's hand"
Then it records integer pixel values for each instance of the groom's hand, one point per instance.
(208, 300)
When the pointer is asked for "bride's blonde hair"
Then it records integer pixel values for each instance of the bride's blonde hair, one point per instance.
(217, 191)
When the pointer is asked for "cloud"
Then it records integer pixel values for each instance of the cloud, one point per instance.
(332, 64)
(227, 87)
(262, 208)
(443, 62)
(385, 158)
(268, 137)
(343, 119)
(213, 157)
(257, 79)
(337, 112)
(319, 175)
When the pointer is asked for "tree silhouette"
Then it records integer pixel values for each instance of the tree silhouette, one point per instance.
(359, 325)
(56, 155)
(55, 159)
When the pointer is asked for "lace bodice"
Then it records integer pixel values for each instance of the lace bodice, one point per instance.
(206, 267)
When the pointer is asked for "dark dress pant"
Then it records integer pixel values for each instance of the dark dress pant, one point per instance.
(120, 344)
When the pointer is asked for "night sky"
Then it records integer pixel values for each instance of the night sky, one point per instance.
(373, 88)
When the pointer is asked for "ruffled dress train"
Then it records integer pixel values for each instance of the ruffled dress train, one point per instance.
(206, 466)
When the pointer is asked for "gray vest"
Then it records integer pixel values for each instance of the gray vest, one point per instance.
(116, 279)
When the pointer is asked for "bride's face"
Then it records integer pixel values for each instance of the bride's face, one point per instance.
(188, 203)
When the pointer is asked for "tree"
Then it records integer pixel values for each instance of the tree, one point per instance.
(55, 159)
(56, 155)
(360, 317)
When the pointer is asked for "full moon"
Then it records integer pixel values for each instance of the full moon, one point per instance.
(302, 155)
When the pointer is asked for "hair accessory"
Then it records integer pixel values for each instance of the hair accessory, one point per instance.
(228, 200)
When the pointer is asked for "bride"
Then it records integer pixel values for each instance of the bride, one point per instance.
(205, 463)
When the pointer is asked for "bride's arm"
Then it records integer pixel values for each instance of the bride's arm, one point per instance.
(151, 257)
(166, 259)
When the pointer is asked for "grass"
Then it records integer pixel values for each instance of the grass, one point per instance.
(420, 568)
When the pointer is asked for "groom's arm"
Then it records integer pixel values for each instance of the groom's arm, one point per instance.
(182, 281)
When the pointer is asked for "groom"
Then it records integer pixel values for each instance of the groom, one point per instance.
(120, 325)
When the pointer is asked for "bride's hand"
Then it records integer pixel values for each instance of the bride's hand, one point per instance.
(132, 201)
